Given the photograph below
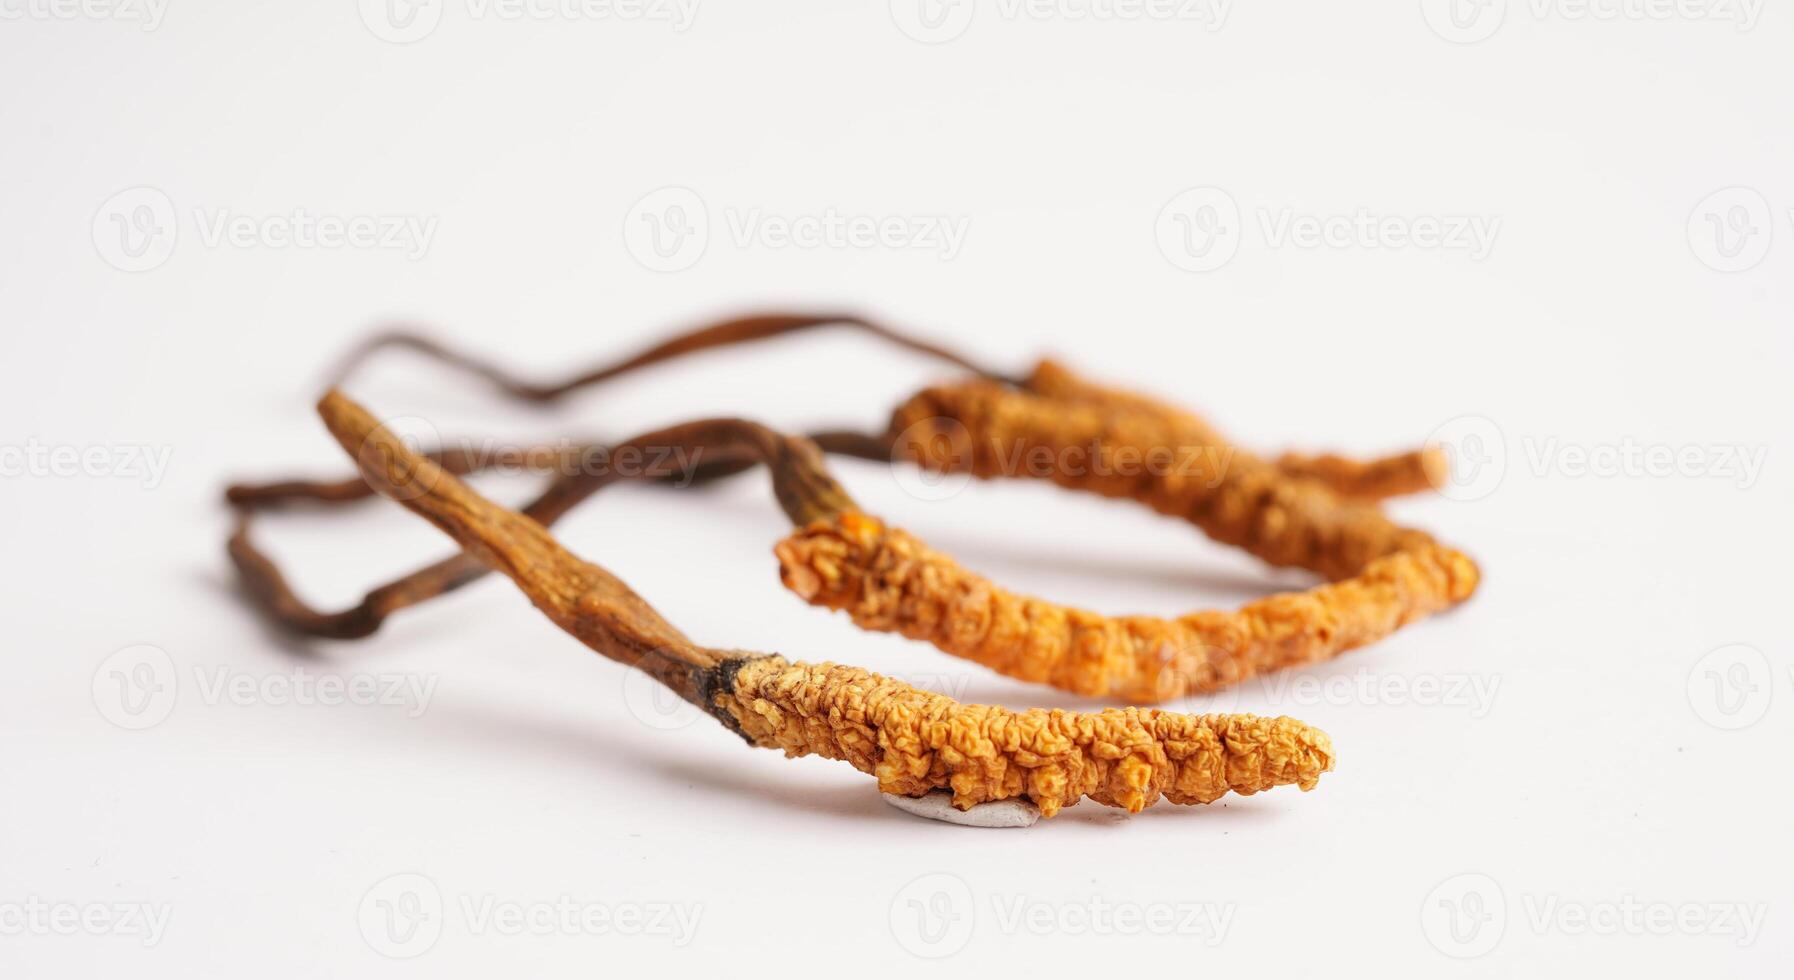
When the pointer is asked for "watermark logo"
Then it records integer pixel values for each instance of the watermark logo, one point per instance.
(933, 21)
(1199, 229)
(668, 230)
(1470, 21)
(401, 21)
(1475, 454)
(1464, 21)
(1730, 230)
(1730, 688)
(931, 459)
(1465, 915)
(401, 916)
(937, 915)
(409, 21)
(933, 916)
(939, 21)
(403, 479)
(1478, 455)
(136, 688)
(654, 704)
(136, 229)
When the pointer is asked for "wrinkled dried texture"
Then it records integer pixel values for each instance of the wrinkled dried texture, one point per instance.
(911, 740)
(1176, 467)
(1085, 437)
(886, 579)
(1374, 479)
(915, 741)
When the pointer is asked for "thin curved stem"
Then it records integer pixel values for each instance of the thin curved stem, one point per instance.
(724, 334)
(801, 482)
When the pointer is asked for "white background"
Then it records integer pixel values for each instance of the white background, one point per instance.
(1615, 760)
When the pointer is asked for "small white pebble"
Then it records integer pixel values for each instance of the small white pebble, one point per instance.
(938, 805)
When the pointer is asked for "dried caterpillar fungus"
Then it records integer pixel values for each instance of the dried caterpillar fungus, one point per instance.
(1372, 479)
(888, 580)
(1383, 576)
(915, 741)
(1151, 457)
(911, 740)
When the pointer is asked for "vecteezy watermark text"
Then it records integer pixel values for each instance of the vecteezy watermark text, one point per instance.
(406, 21)
(402, 916)
(1201, 229)
(1478, 450)
(1466, 916)
(943, 449)
(139, 686)
(937, 915)
(35, 459)
(137, 229)
(147, 14)
(145, 921)
(938, 21)
(1470, 21)
(669, 230)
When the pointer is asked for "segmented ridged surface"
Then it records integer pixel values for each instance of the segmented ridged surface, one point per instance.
(1366, 479)
(886, 579)
(915, 741)
(1177, 467)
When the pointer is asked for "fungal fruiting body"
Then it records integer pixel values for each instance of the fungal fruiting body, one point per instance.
(888, 580)
(1383, 576)
(1372, 479)
(915, 741)
(1235, 497)
(912, 741)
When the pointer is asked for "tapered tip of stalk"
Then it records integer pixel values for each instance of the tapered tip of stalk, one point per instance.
(1435, 467)
(386, 462)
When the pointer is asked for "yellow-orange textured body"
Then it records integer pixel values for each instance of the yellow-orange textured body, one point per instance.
(915, 741)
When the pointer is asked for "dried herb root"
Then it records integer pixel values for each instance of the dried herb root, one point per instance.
(888, 580)
(912, 741)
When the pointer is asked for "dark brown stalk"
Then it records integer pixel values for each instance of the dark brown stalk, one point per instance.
(800, 480)
(725, 334)
(583, 599)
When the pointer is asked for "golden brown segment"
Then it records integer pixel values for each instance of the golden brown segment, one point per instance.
(888, 580)
(1169, 465)
(1375, 479)
(1085, 437)
(915, 741)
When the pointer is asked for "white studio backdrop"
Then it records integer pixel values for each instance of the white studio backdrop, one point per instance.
(1554, 237)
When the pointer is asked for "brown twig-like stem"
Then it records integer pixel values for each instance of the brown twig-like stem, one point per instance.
(800, 480)
(725, 334)
(1403, 473)
(583, 599)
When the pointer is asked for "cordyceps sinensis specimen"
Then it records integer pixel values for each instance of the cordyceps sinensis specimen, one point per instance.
(1383, 576)
(1309, 512)
(843, 558)
(911, 740)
